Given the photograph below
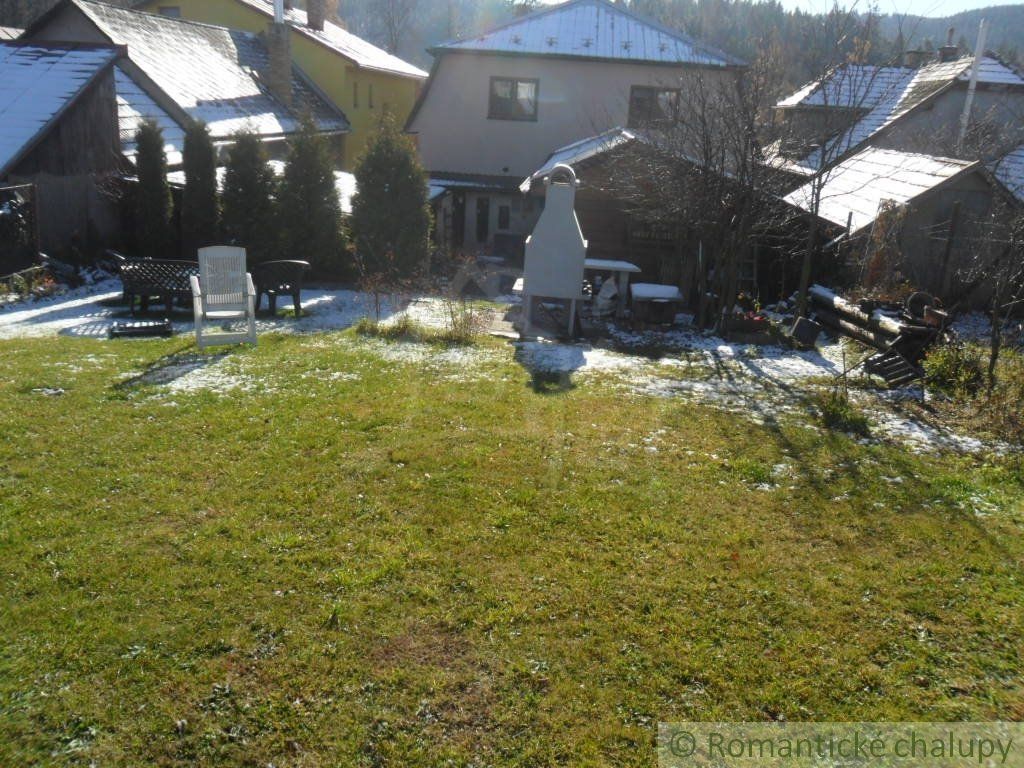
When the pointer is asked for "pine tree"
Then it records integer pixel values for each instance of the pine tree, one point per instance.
(153, 201)
(309, 209)
(391, 216)
(200, 212)
(248, 198)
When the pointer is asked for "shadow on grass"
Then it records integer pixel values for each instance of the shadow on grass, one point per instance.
(550, 365)
(551, 382)
(169, 368)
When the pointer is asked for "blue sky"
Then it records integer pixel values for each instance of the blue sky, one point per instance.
(933, 8)
(914, 7)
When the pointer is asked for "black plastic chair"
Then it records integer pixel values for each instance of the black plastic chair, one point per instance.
(280, 278)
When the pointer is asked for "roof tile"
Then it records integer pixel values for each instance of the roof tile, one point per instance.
(36, 82)
(856, 188)
(594, 29)
(212, 73)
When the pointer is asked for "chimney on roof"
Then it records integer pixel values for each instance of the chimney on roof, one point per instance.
(950, 51)
(319, 11)
(279, 47)
(914, 59)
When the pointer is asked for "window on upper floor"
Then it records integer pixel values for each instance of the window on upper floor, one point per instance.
(170, 10)
(650, 107)
(513, 99)
(369, 95)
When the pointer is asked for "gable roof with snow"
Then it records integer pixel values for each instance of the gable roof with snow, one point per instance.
(38, 82)
(855, 188)
(1010, 172)
(593, 29)
(134, 106)
(362, 53)
(579, 152)
(919, 89)
(211, 73)
(344, 182)
(850, 86)
(10, 33)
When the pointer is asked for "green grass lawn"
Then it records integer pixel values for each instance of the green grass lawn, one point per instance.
(401, 564)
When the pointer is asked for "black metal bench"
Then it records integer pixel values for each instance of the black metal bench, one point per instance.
(167, 279)
(280, 278)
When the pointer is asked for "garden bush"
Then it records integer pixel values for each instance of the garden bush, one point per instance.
(955, 369)
(838, 413)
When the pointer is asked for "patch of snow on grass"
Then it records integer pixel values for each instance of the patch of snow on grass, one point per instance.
(61, 313)
(90, 312)
(214, 378)
(549, 357)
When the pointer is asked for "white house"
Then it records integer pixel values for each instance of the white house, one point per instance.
(497, 105)
(902, 108)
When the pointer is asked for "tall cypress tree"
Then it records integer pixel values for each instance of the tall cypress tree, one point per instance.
(200, 208)
(153, 201)
(248, 198)
(309, 208)
(391, 215)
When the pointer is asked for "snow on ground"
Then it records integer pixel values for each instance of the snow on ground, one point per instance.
(760, 383)
(90, 311)
(219, 376)
(972, 326)
(551, 357)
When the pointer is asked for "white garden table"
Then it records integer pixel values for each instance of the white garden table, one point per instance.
(622, 271)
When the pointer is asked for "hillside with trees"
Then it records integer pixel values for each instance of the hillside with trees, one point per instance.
(804, 41)
(1005, 36)
(742, 27)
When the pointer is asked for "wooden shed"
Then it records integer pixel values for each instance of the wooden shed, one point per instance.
(59, 133)
(936, 213)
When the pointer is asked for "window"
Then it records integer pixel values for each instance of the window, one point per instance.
(369, 95)
(170, 10)
(504, 217)
(355, 95)
(513, 99)
(649, 107)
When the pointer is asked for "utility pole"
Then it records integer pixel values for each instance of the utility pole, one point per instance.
(972, 86)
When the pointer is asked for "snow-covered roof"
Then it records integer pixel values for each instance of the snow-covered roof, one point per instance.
(10, 33)
(211, 73)
(579, 151)
(850, 86)
(344, 183)
(364, 54)
(922, 85)
(855, 188)
(37, 83)
(593, 29)
(1010, 171)
(135, 106)
(655, 292)
(455, 180)
(611, 265)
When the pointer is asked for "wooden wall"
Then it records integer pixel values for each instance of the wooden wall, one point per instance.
(69, 167)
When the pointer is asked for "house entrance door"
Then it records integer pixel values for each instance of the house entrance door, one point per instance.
(483, 219)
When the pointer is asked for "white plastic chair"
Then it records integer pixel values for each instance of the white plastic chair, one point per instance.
(222, 293)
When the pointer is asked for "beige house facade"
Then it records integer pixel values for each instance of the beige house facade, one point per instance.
(496, 106)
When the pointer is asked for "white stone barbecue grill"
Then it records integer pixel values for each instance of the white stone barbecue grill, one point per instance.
(556, 251)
